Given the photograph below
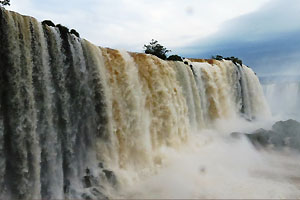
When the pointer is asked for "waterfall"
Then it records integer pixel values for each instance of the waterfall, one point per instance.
(74, 117)
(283, 96)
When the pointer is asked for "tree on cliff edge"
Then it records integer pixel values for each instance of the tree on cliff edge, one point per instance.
(156, 49)
(5, 3)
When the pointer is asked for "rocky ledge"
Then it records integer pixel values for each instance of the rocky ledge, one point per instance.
(284, 134)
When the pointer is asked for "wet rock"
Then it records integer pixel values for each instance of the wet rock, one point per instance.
(260, 137)
(236, 134)
(48, 23)
(111, 177)
(191, 67)
(74, 32)
(63, 30)
(289, 127)
(86, 196)
(94, 193)
(100, 165)
(87, 179)
(67, 186)
(98, 193)
(282, 134)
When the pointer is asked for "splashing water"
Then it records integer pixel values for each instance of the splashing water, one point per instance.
(79, 121)
(283, 98)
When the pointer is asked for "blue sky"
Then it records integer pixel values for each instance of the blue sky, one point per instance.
(263, 33)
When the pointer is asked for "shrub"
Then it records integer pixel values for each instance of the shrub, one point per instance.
(175, 58)
(156, 49)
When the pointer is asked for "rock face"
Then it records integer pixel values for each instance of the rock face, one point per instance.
(92, 183)
(282, 134)
(74, 32)
(48, 23)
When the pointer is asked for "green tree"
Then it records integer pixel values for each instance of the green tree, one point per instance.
(156, 49)
(232, 58)
(4, 2)
(175, 58)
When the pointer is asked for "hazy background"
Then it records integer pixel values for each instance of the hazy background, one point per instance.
(263, 33)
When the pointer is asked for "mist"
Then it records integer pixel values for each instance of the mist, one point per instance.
(283, 96)
(215, 165)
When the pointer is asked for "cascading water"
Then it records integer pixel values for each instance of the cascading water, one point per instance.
(81, 121)
(283, 96)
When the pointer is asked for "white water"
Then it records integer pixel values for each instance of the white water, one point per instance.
(214, 166)
(283, 98)
(161, 128)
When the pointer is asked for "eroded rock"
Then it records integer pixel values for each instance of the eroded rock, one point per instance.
(282, 134)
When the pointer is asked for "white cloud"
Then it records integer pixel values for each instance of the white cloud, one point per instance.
(267, 39)
(129, 24)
